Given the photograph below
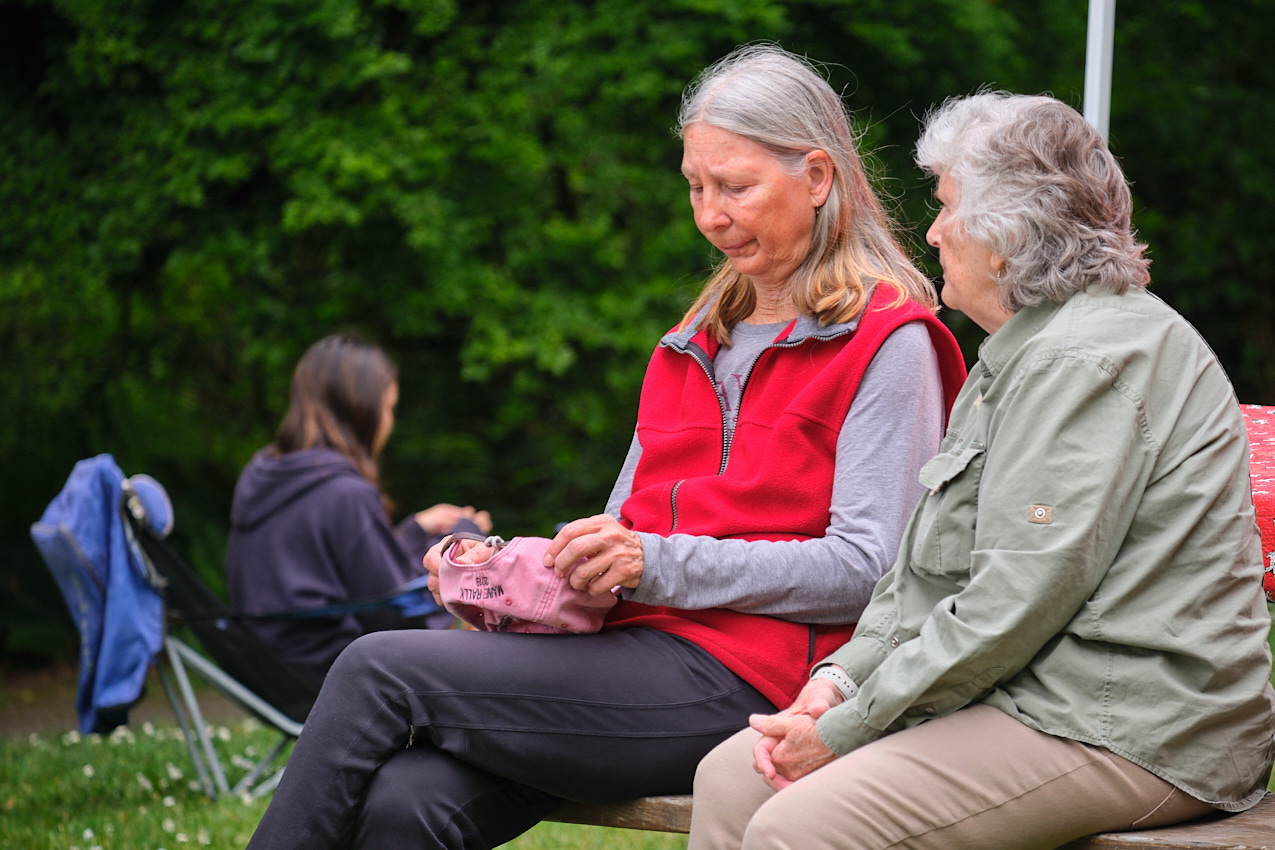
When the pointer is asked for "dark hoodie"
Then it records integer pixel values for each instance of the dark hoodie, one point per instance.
(306, 531)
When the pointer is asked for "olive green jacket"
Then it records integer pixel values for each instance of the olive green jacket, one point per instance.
(1086, 558)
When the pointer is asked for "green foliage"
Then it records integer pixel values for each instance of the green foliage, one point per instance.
(193, 193)
(1191, 109)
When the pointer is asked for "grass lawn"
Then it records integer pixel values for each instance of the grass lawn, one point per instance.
(136, 790)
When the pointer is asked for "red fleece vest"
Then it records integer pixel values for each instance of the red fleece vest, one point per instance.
(773, 482)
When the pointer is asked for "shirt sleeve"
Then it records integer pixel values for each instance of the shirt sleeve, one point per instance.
(1054, 494)
(893, 427)
(416, 541)
(624, 482)
(370, 557)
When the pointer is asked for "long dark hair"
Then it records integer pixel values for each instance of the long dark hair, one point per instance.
(336, 400)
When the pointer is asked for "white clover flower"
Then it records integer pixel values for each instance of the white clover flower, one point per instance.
(240, 762)
(148, 728)
(203, 837)
(88, 835)
(88, 771)
(223, 734)
(193, 785)
(168, 825)
(250, 751)
(145, 783)
(174, 772)
(251, 725)
(169, 802)
(181, 838)
(245, 798)
(72, 737)
(94, 739)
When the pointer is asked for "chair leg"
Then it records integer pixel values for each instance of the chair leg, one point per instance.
(246, 783)
(197, 718)
(188, 735)
(269, 785)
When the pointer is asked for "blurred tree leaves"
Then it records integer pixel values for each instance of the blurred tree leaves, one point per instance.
(193, 192)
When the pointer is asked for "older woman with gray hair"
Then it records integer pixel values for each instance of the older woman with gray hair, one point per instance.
(781, 428)
(1073, 638)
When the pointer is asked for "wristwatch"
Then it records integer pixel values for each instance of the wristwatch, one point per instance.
(839, 678)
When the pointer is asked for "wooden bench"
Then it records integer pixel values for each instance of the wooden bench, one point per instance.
(1251, 830)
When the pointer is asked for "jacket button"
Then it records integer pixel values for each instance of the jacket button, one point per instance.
(929, 712)
(894, 641)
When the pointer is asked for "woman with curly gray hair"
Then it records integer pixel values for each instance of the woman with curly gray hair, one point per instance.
(1073, 638)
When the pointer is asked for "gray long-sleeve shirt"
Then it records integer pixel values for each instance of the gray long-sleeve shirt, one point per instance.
(825, 579)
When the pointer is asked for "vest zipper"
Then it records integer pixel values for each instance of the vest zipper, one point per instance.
(728, 437)
(701, 357)
(728, 442)
(673, 505)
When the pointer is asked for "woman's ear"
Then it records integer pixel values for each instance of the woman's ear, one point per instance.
(998, 265)
(820, 170)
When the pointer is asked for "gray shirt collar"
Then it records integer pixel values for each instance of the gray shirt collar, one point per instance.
(806, 327)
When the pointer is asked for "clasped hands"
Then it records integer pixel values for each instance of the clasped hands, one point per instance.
(790, 746)
(597, 552)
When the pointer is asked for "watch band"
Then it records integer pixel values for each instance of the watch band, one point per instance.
(839, 678)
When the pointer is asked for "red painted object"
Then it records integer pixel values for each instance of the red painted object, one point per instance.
(1261, 438)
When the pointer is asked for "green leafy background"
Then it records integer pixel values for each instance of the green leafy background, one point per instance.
(192, 192)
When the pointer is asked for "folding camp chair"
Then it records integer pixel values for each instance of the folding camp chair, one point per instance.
(242, 667)
(103, 539)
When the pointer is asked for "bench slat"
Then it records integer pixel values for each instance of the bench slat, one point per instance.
(656, 814)
(1251, 830)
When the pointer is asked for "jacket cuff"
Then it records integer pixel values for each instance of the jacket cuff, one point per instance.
(842, 730)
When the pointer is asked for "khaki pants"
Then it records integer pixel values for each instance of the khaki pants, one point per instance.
(976, 779)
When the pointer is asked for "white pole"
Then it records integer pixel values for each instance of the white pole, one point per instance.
(1102, 24)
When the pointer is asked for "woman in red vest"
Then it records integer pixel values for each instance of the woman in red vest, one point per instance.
(781, 429)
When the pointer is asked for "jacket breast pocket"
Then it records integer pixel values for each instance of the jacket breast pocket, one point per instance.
(949, 511)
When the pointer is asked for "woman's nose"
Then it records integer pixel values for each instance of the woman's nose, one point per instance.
(932, 235)
(709, 214)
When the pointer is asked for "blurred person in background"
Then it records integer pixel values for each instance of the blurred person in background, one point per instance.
(310, 525)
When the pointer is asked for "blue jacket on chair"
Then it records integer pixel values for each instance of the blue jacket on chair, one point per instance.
(104, 580)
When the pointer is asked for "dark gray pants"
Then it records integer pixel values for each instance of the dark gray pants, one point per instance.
(452, 739)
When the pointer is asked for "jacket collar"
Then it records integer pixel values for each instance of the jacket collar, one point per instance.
(995, 351)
